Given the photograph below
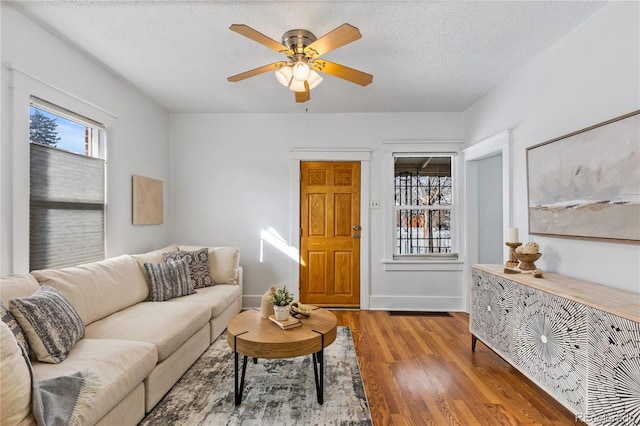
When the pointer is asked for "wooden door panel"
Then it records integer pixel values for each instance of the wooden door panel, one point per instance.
(317, 273)
(317, 215)
(330, 254)
(343, 215)
(343, 178)
(342, 273)
(317, 177)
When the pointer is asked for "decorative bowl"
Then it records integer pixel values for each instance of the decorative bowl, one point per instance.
(526, 260)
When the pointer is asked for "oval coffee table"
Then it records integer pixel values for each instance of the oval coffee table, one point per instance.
(255, 337)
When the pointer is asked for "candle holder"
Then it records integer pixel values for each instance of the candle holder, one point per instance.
(513, 260)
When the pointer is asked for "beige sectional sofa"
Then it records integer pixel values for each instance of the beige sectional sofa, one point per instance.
(138, 349)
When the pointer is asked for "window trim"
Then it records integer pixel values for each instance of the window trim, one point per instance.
(23, 84)
(97, 145)
(435, 261)
(451, 208)
(416, 208)
(96, 151)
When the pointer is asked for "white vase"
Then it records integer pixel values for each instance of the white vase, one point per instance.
(281, 312)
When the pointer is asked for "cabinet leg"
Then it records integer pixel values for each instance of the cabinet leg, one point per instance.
(474, 340)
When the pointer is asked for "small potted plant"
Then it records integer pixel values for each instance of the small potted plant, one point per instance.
(280, 300)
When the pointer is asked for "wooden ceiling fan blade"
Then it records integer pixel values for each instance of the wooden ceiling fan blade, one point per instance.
(343, 72)
(257, 36)
(256, 71)
(303, 96)
(342, 35)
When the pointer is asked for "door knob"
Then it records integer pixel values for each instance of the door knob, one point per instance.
(356, 236)
(356, 228)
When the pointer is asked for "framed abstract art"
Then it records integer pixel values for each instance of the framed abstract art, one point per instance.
(587, 184)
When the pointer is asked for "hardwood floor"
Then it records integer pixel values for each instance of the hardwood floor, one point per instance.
(420, 370)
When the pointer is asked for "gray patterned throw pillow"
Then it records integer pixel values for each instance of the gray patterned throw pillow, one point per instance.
(50, 322)
(198, 262)
(168, 280)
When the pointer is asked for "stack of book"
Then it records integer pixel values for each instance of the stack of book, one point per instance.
(290, 322)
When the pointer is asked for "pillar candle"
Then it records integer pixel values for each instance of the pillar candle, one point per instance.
(513, 234)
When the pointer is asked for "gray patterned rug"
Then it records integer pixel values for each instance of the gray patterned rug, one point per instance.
(277, 392)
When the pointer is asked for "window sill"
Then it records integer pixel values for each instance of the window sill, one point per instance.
(424, 264)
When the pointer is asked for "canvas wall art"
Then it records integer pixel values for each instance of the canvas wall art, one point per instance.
(148, 206)
(587, 184)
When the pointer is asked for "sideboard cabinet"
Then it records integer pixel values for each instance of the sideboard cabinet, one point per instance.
(577, 340)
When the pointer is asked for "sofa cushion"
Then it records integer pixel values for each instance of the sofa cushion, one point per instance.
(120, 366)
(168, 280)
(166, 325)
(154, 256)
(51, 324)
(218, 297)
(198, 261)
(17, 286)
(8, 318)
(15, 381)
(101, 288)
(223, 263)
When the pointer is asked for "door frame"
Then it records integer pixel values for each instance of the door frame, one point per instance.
(364, 157)
(497, 144)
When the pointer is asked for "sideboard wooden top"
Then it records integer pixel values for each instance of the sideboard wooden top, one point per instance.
(619, 302)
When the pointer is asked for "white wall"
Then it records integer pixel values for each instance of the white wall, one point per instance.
(490, 242)
(37, 63)
(228, 176)
(590, 76)
(231, 178)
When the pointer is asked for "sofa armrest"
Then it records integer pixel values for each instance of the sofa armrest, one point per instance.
(240, 279)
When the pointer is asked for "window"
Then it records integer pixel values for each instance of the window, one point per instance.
(67, 200)
(423, 192)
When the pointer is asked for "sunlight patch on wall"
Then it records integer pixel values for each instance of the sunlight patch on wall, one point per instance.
(272, 237)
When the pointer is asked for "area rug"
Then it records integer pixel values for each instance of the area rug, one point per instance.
(277, 392)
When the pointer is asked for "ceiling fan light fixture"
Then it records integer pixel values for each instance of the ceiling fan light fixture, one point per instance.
(284, 75)
(296, 86)
(303, 48)
(314, 79)
(301, 71)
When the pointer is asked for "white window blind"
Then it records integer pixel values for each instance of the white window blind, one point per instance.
(67, 208)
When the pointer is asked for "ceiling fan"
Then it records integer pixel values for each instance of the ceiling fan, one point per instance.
(304, 50)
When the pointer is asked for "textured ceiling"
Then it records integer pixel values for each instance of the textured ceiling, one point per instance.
(425, 56)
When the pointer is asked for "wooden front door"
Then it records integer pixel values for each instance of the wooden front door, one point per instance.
(330, 233)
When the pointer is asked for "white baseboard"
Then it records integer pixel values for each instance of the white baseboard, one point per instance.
(250, 301)
(390, 303)
(416, 303)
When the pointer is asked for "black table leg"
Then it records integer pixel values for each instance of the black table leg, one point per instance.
(238, 389)
(318, 370)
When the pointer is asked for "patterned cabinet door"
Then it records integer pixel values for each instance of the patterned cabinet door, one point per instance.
(550, 344)
(491, 310)
(614, 370)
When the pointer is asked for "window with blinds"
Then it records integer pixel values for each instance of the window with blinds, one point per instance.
(67, 188)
